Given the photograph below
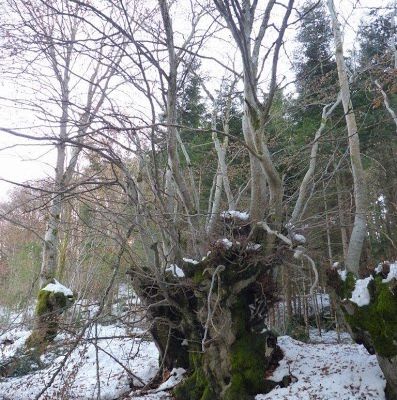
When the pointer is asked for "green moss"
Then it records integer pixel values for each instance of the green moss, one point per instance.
(48, 308)
(196, 386)
(347, 286)
(42, 306)
(249, 364)
(240, 316)
(236, 390)
(379, 318)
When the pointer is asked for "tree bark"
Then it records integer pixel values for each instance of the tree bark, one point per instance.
(360, 188)
(213, 324)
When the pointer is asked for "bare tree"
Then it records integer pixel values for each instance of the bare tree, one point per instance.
(360, 187)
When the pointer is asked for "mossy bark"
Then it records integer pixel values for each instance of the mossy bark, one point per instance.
(213, 324)
(373, 325)
(49, 307)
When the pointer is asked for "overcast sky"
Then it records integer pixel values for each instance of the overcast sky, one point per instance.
(22, 160)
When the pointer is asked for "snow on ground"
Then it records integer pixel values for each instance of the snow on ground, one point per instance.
(78, 380)
(325, 369)
(327, 372)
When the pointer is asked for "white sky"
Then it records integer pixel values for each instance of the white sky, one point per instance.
(21, 160)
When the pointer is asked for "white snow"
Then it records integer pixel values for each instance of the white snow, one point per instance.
(392, 273)
(379, 268)
(208, 254)
(327, 372)
(176, 271)
(323, 370)
(360, 294)
(190, 261)
(175, 377)
(78, 380)
(342, 274)
(241, 215)
(253, 246)
(298, 253)
(298, 238)
(335, 264)
(225, 242)
(58, 288)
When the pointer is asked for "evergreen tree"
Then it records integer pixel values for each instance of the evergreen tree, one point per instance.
(314, 62)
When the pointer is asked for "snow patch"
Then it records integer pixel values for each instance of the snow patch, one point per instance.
(225, 242)
(342, 274)
(58, 288)
(190, 261)
(379, 268)
(360, 294)
(176, 271)
(326, 372)
(241, 215)
(298, 238)
(118, 353)
(176, 376)
(392, 273)
(253, 246)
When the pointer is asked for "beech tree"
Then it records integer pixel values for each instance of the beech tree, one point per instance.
(55, 43)
(205, 271)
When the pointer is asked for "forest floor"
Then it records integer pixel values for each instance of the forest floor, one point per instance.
(110, 359)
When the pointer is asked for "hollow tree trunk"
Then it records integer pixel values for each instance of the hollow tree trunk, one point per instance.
(213, 324)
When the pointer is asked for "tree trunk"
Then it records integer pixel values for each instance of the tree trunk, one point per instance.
(213, 325)
(360, 188)
(374, 324)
